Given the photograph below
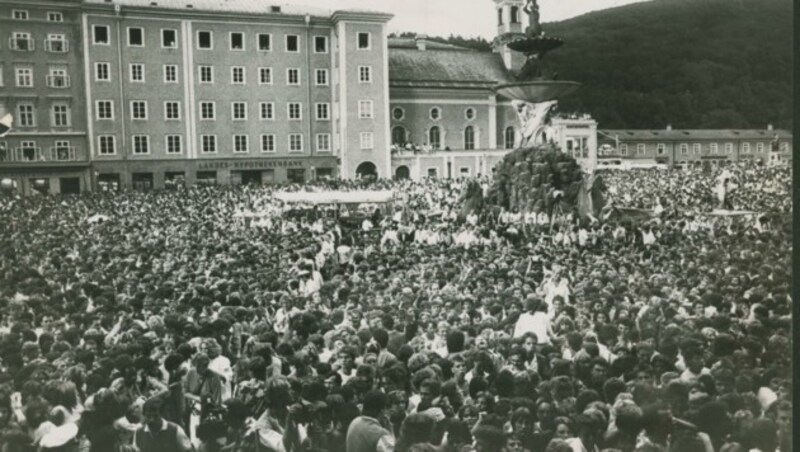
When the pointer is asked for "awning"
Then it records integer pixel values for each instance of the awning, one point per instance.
(338, 197)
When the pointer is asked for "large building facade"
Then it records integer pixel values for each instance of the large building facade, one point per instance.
(42, 85)
(144, 94)
(233, 92)
(194, 91)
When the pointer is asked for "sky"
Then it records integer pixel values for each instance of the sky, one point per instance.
(468, 18)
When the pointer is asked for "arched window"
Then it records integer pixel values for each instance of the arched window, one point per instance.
(399, 135)
(509, 138)
(514, 15)
(469, 138)
(435, 137)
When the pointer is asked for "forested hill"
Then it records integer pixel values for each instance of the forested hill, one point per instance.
(688, 63)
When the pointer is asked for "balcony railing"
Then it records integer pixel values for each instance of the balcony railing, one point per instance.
(63, 154)
(25, 154)
(56, 45)
(35, 154)
(21, 44)
(58, 81)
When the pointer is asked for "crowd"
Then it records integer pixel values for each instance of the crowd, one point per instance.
(158, 322)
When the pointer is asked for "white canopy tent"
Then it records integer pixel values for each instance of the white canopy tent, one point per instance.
(337, 197)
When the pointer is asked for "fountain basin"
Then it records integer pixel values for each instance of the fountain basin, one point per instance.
(537, 90)
(535, 45)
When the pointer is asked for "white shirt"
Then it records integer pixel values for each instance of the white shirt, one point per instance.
(433, 238)
(222, 367)
(688, 376)
(390, 236)
(537, 323)
(543, 218)
(344, 253)
(553, 289)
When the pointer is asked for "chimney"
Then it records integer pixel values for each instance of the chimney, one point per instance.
(769, 126)
(669, 126)
(275, 9)
(420, 41)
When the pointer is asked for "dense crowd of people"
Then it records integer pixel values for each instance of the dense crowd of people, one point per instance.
(217, 319)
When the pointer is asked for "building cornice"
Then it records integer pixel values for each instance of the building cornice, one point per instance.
(199, 14)
(361, 16)
(441, 84)
(52, 5)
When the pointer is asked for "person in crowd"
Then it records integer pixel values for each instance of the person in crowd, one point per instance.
(368, 432)
(168, 323)
(158, 434)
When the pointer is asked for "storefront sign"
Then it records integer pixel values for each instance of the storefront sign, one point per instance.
(251, 164)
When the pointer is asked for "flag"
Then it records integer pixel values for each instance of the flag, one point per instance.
(6, 123)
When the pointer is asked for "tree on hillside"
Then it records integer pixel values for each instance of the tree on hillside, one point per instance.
(689, 63)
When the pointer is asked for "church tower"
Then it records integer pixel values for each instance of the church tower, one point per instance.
(511, 20)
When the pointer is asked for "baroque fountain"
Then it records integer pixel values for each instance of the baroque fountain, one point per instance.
(536, 91)
(537, 176)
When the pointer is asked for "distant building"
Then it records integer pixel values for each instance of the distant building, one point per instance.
(696, 147)
(144, 94)
(42, 85)
(441, 100)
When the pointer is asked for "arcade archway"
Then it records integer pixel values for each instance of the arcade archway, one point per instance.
(366, 169)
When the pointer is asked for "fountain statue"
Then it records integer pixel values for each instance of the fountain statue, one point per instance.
(537, 176)
(534, 118)
(532, 9)
(535, 93)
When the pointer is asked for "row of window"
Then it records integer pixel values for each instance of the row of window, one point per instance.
(22, 14)
(661, 148)
(237, 41)
(173, 144)
(239, 110)
(57, 77)
(205, 74)
(60, 115)
(23, 42)
(435, 113)
(400, 136)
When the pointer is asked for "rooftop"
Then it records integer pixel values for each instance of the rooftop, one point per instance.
(693, 134)
(231, 6)
(411, 43)
(443, 65)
